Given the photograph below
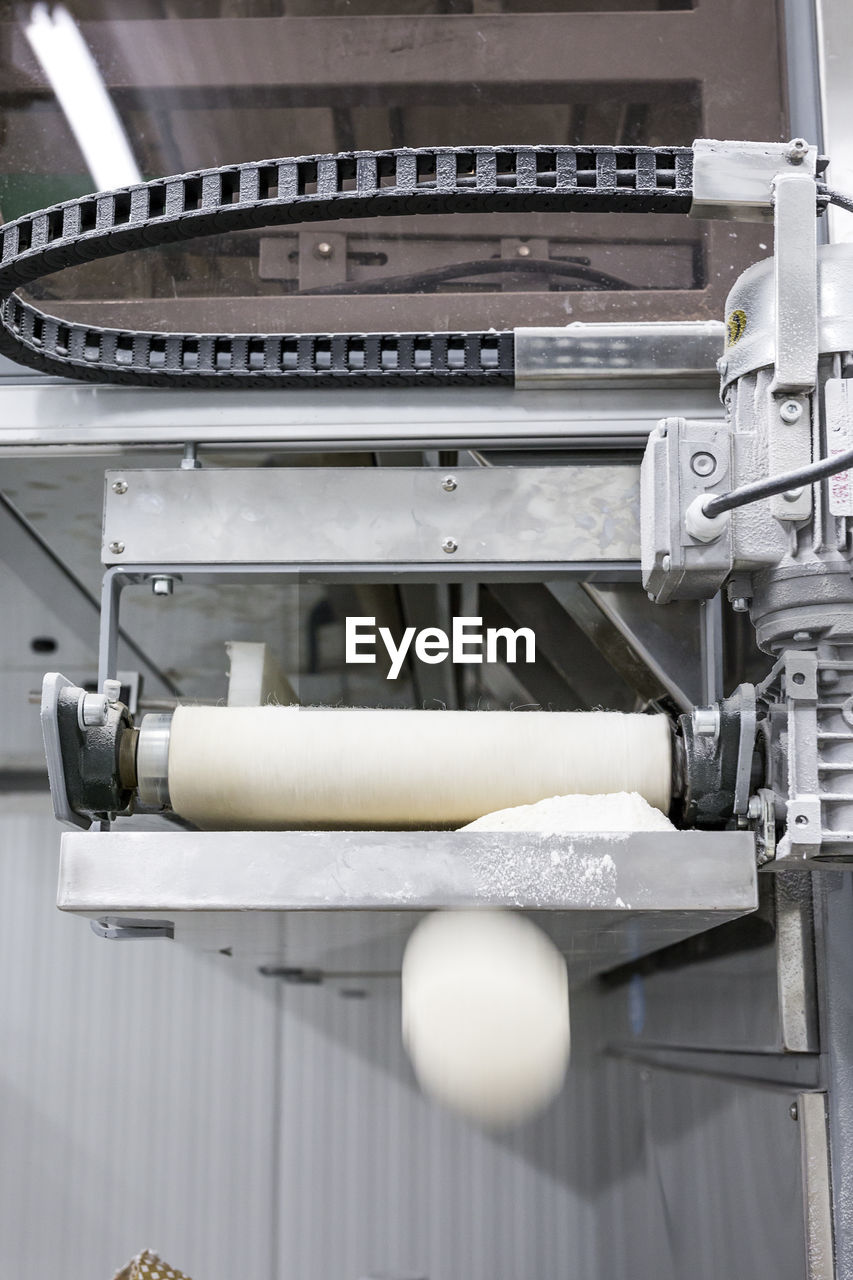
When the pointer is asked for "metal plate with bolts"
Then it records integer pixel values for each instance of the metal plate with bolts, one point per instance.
(372, 514)
(346, 902)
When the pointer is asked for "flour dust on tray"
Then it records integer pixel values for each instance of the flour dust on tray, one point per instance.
(615, 811)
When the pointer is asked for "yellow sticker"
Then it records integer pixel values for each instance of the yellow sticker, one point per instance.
(735, 327)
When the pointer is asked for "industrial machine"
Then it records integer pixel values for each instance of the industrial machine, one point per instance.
(289, 865)
(758, 502)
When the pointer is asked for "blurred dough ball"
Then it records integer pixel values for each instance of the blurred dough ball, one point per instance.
(486, 1014)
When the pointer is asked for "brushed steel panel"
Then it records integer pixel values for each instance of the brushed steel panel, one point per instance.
(372, 514)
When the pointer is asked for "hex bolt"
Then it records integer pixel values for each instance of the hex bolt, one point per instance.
(666, 563)
(794, 1111)
(112, 690)
(92, 710)
(450, 545)
(797, 151)
(523, 251)
(801, 635)
(116, 548)
(740, 604)
(119, 486)
(702, 464)
(754, 808)
(706, 721)
(324, 249)
(790, 411)
(449, 484)
(163, 585)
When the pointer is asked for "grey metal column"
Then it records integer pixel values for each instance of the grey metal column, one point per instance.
(834, 947)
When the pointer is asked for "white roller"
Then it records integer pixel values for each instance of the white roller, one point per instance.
(273, 767)
(486, 1014)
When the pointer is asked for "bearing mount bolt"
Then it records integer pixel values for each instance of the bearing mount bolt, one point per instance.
(797, 151)
(324, 249)
(792, 495)
(92, 710)
(116, 548)
(119, 486)
(450, 545)
(791, 411)
(523, 251)
(702, 464)
(112, 690)
(740, 604)
(666, 563)
(449, 484)
(706, 721)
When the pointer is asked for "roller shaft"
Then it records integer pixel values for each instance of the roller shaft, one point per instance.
(342, 767)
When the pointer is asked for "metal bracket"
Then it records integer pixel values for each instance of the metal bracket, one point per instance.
(796, 337)
(802, 838)
(49, 715)
(734, 180)
(121, 929)
(745, 749)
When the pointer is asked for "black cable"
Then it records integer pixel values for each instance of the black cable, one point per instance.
(838, 197)
(778, 484)
(428, 281)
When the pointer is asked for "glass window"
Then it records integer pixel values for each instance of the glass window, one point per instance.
(198, 83)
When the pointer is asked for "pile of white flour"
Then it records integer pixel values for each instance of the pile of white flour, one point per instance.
(617, 811)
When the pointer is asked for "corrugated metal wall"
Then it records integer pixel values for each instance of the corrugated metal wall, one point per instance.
(137, 1090)
(141, 1087)
(153, 1097)
(377, 1182)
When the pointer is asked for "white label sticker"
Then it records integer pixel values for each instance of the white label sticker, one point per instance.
(839, 437)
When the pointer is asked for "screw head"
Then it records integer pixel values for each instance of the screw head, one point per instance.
(449, 483)
(450, 545)
(324, 250)
(523, 251)
(790, 411)
(116, 548)
(797, 151)
(119, 486)
(702, 464)
(740, 604)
